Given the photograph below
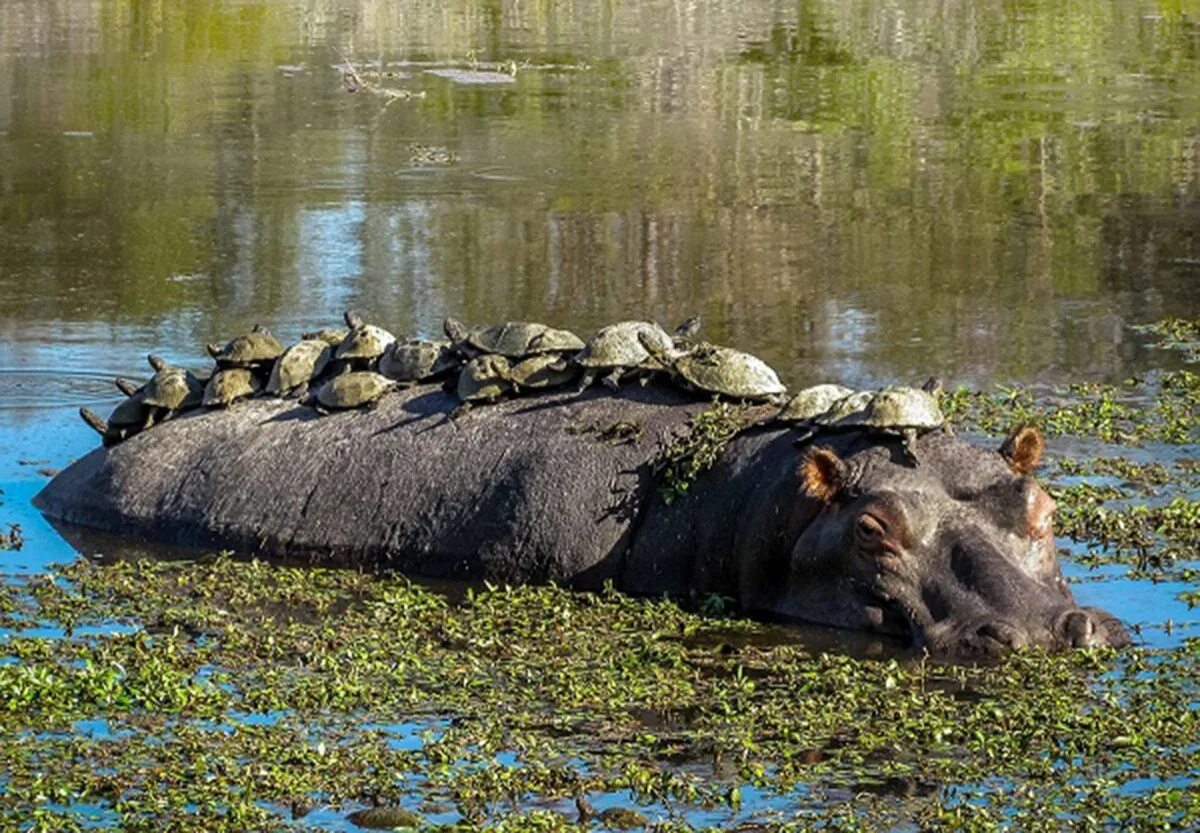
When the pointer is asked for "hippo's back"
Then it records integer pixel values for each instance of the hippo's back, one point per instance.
(519, 491)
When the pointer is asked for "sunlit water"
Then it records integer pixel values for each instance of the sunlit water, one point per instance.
(861, 192)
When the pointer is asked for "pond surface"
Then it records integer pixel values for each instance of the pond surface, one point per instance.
(868, 193)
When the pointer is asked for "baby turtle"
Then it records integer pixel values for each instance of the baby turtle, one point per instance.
(518, 339)
(722, 370)
(330, 335)
(543, 370)
(350, 390)
(130, 417)
(901, 411)
(257, 348)
(364, 344)
(484, 379)
(229, 385)
(619, 349)
(811, 402)
(411, 362)
(298, 366)
(172, 388)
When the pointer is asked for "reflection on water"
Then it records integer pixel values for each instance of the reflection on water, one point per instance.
(873, 191)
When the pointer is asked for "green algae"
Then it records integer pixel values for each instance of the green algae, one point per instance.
(569, 685)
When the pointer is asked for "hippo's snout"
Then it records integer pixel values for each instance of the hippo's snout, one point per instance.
(1076, 627)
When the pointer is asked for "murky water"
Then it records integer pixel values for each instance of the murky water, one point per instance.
(863, 192)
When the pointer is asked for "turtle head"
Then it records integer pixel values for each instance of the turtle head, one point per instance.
(157, 363)
(213, 349)
(454, 329)
(688, 329)
(353, 320)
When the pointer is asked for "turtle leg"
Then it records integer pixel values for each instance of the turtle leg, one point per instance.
(462, 410)
(909, 437)
(612, 381)
(585, 381)
(94, 421)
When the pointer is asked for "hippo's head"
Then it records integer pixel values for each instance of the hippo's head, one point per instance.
(956, 552)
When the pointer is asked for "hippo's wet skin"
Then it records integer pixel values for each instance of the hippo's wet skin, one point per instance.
(955, 553)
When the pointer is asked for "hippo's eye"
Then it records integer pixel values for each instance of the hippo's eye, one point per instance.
(870, 528)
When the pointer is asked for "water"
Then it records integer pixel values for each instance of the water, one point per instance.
(867, 192)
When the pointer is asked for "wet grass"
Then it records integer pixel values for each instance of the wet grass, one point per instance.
(237, 695)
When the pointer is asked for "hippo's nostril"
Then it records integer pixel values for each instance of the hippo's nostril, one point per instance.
(1078, 629)
(1003, 634)
(1088, 627)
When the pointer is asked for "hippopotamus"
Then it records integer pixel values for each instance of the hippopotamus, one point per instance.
(954, 554)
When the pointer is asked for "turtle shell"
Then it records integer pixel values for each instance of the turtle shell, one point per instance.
(517, 339)
(845, 408)
(729, 372)
(353, 390)
(418, 361)
(229, 385)
(624, 345)
(254, 348)
(484, 377)
(299, 365)
(898, 408)
(365, 343)
(544, 370)
(811, 402)
(173, 388)
(131, 411)
(330, 335)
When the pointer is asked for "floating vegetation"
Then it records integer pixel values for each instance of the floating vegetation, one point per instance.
(1180, 334)
(1131, 413)
(1150, 538)
(249, 695)
(678, 463)
(14, 539)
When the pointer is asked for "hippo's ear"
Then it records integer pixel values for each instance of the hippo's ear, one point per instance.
(1023, 449)
(823, 474)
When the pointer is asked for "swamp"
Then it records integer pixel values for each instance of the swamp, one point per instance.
(1005, 195)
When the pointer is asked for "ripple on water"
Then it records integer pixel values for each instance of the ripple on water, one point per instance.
(36, 387)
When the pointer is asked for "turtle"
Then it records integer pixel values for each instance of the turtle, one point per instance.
(543, 370)
(298, 366)
(230, 384)
(256, 348)
(416, 361)
(902, 411)
(811, 402)
(519, 339)
(721, 370)
(350, 390)
(131, 416)
(333, 336)
(484, 379)
(620, 348)
(172, 388)
(364, 344)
